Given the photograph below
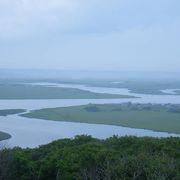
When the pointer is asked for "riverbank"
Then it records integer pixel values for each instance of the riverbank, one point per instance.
(4, 136)
(7, 112)
(164, 118)
(24, 91)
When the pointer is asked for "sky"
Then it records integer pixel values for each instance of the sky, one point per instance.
(114, 35)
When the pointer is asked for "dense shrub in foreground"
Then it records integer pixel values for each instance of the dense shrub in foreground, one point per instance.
(86, 158)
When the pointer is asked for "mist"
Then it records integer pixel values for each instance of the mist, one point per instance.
(90, 35)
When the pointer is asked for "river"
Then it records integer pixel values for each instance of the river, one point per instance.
(34, 132)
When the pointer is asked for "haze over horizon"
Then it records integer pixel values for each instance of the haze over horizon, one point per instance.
(117, 35)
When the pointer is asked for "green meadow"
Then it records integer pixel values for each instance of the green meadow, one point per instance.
(6, 112)
(17, 91)
(147, 116)
(4, 136)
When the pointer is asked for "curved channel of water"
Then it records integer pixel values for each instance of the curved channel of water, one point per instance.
(143, 98)
(33, 132)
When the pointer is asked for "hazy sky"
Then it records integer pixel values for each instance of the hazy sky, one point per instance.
(120, 35)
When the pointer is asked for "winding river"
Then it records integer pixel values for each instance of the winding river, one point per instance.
(34, 132)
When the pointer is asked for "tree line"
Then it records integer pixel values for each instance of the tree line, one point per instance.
(87, 158)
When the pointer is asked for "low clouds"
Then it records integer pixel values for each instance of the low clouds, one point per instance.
(34, 17)
(90, 34)
(30, 17)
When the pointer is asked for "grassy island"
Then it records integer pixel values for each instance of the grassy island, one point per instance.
(4, 136)
(147, 116)
(16, 91)
(6, 112)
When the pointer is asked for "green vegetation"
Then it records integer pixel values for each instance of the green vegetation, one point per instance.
(134, 85)
(86, 158)
(147, 116)
(6, 112)
(142, 87)
(4, 136)
(16, 91)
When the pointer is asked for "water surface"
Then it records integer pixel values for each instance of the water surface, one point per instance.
(33, 132)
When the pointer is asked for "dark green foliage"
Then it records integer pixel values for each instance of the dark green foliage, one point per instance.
(86, 158)
(92, 109)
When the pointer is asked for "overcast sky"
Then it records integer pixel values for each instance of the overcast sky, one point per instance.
(137, 35)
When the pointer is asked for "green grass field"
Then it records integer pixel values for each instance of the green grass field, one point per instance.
(134, 85)
(4, 136)
(16, 91)
(155, 117)
(6, 112)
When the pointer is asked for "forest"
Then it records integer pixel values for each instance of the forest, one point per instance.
(87, 158)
